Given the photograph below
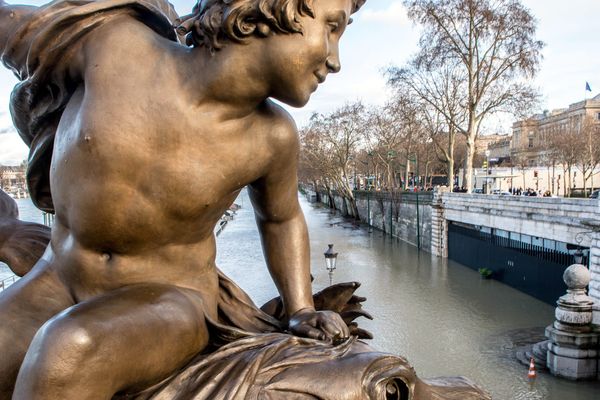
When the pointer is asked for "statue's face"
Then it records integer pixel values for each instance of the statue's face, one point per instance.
(299, 62)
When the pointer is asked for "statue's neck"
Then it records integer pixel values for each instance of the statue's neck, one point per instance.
(232, 76)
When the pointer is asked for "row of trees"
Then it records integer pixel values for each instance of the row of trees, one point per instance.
(359, 147)
(475, 60)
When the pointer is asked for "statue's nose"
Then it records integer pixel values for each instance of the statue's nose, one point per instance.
(333, 65)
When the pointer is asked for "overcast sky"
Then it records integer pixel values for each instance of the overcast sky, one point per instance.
(382, 36)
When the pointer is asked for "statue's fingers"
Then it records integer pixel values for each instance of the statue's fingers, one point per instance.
(309, 332)
(335, 328)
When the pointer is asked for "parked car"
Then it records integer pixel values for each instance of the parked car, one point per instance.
(478, 191)
(595, 194)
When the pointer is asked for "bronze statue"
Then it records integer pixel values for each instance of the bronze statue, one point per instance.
(143, 128)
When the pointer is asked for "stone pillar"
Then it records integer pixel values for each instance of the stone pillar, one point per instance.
(439, 225)
(573, 346)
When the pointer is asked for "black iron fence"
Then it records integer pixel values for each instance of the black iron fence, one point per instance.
(423, 198)
(541, 252)
(532, 269)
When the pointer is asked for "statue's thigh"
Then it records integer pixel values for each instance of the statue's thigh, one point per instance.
(24, 308)
(123, 340)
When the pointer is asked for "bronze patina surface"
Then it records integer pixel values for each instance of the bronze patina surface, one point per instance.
(143, 128)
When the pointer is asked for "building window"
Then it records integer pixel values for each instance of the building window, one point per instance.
(598, 116)
(530, 142)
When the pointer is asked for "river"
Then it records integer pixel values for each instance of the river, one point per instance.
(437, 313)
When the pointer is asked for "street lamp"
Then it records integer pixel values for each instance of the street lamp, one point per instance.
(415, 158)
(330, 261)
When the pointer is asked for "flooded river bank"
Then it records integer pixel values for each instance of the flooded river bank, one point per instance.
(439, 314)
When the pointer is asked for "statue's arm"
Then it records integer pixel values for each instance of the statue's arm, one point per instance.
(284, 237)
(281, 222)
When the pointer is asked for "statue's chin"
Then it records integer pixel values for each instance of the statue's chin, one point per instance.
(294, 100)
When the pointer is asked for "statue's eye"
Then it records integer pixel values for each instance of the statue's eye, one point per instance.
(334, 26)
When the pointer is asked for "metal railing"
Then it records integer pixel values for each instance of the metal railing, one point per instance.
(48, 219)
(541, 252)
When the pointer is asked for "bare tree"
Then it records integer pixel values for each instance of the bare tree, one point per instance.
(589, 130)
(330, 143)
(439, 92)
(492, 45)
(567, 144)
(392, 133)
(520, 161)
(385, 135)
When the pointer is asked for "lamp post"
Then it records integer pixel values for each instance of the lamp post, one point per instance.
(330, 261)
(578, 256)
(369, 156)
(487, 172)
(414, 158)
(368, 191)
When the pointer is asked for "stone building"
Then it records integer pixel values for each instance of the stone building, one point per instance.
(484, 142)
(529, 144)
(500, 149)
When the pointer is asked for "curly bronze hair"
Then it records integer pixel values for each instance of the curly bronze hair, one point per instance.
(213, 23)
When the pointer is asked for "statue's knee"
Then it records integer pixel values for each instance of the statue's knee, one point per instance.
(61, 348)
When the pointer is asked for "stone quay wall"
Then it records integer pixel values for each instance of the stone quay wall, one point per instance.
(392, 213)
(575, 221)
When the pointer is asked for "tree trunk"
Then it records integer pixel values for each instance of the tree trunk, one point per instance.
(468, 166)
(407, 173)
(450, 165)
(553, 177)
(570, 181)
(348, 194)
(450, 159)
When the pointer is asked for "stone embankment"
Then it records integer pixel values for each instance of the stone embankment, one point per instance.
(405, 215)
(422, 219)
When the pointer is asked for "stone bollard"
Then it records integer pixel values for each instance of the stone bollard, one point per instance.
(573, 346)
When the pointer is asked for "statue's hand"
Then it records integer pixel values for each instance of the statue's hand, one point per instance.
(320, 325)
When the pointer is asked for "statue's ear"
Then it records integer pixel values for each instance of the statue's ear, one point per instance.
(262, 29)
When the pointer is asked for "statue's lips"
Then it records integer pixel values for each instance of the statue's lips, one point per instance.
(320, 78)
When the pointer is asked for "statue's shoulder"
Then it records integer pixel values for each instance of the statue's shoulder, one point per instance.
(281, 126)
(279, 132)
(125, 37)
(124, 50)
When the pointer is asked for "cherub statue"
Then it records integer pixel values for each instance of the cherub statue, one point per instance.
(143, 128)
